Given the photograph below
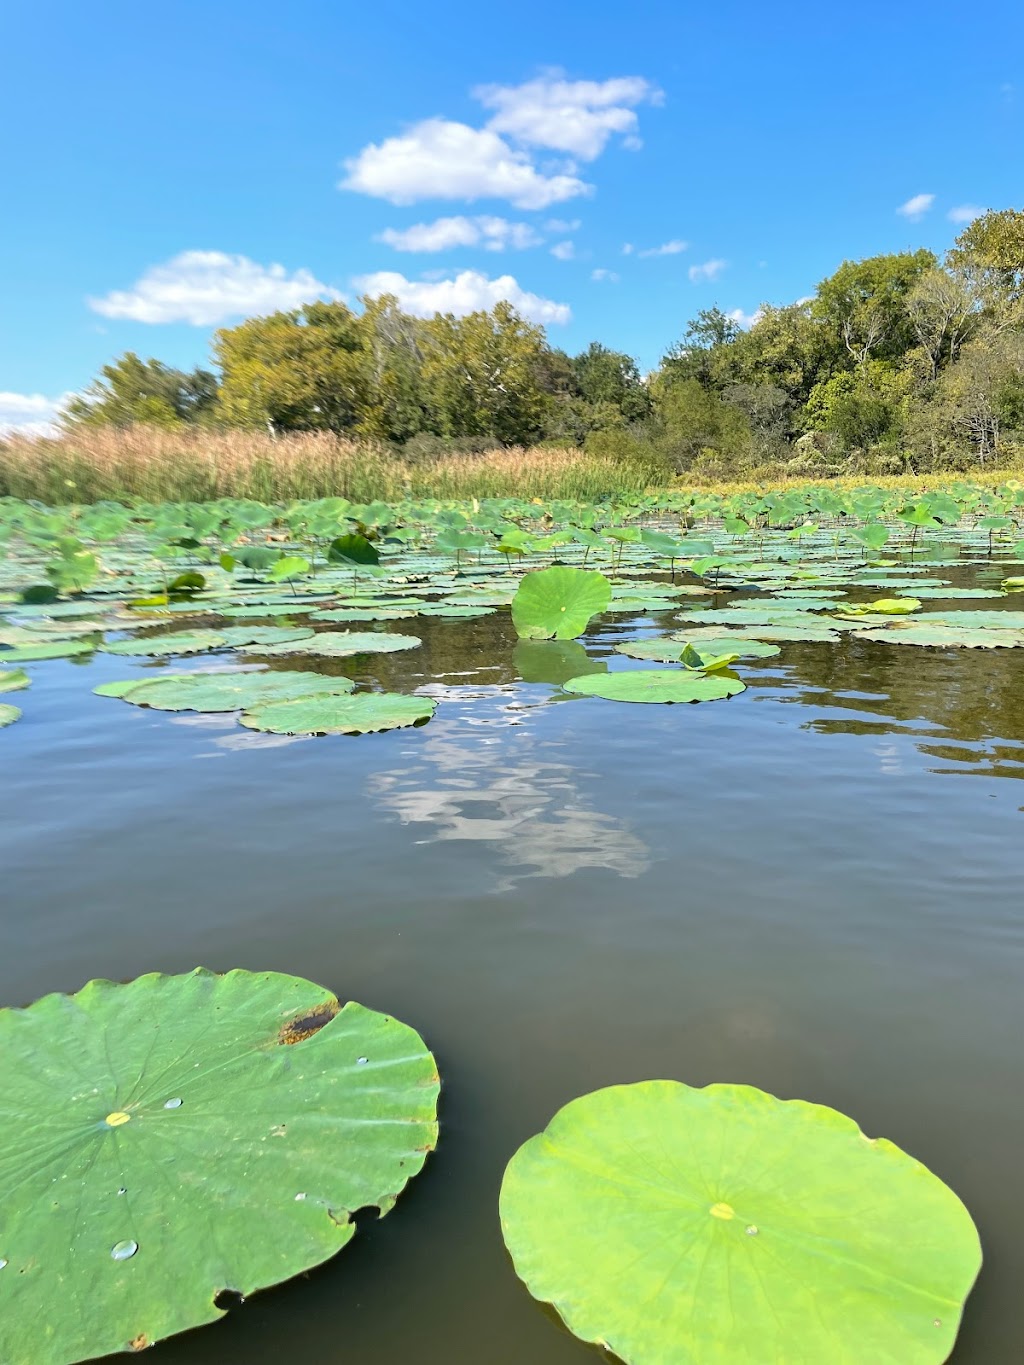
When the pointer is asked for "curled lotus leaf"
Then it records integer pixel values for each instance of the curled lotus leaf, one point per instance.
(165, 646)
(339, 644)
(359, 714)
(671, 1224)
(14, 679)
(213, 692)
(8, 714)
(279, 1113)
(664, 685)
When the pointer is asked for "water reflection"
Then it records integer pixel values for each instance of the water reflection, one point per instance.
(484, 773)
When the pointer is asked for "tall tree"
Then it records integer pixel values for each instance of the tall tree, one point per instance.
(130, 390)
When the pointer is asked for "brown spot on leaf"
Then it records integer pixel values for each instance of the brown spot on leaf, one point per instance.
(139, 1343)
(297, 1030)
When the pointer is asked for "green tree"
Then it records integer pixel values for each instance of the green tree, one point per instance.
(865, 304)
(130, 390)
(989, 256)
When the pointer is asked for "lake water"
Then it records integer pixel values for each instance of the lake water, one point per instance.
(815, 888)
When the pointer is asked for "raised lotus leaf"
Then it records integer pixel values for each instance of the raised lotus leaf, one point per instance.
(670, 1224)
(559, 603)
(656, 685)
(179, 1136)
(359, 714)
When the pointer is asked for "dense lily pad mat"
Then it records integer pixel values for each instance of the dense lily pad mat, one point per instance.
(688, 1226)
(181, 1135)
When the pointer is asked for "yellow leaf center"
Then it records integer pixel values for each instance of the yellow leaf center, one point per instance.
(725, 1211)
(118, 1117)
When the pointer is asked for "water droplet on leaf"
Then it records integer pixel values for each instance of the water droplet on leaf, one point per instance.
(173, 1104)
(124, 1251)
(361, 1061)
(751, 1231)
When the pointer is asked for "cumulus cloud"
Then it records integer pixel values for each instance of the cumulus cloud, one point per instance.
(708, 270)
(577, 117)
(469, 292)
(745, 320)
(672, 248)
(30, 414)
(601, 274)
(964, 213)
(564, 251)
(208, 287)
(917, 206)
(563, 225)
(440, 159)
(493, 234)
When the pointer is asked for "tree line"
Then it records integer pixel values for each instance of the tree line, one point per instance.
(897, 361)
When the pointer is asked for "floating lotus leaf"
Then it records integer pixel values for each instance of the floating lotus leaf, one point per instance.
(640, 606)
(669, 1224)
(45, 649)
(884, 606)
(163, 646)
(447, 609)
(949, 593)
(559, 603)
(656, 685)
(367, 613)
(122, 686)
(941, 636)
(183, 1135)
(361, 714)
(13, 680)
(338, 644)
(669, 649)
(213, 692)
(240, 636)
(8, 714)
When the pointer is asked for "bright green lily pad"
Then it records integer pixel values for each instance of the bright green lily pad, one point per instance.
(669, 649)
(122, 686)
(558, 603)
(213, 692)
(163, 646)
(8, 714)
(14, 679)
(670, 1224)
(46, 649)
(655, 685)
(360, 714)
(339, 644)
(178, 1136)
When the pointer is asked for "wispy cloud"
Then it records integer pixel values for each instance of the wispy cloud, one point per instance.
(708, 270)
(745, 320)
(917, 206)
(577, 117)
(672, 248)
(493, 234)
(564, 251)
(30, 414)
(562, 225)
(964, 213)
(208, 287)
(600, 274)
(467, 292)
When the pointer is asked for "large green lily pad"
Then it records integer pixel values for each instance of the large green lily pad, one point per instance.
(339, 644)
(213, 692)
(655, 685)
(558, 603)
(179, 1136)
(361, 714)
(14, 679)
(45, 649)
(165, 646)
(943, 636)
(677, 1226)
(670, 649)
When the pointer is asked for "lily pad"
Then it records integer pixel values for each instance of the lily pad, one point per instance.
(558, 603)
(942, 636)
(338, 644)
(238, 637)
(667, 1223)
(655, 685)
(8, 714)
(213, 692)
(46, 649)
(193, 1134)
(367, 613)
(162, 646)
(360, 714)
(669, 649)
(14, 679)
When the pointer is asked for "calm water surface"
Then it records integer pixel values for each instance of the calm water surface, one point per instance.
(815, 888)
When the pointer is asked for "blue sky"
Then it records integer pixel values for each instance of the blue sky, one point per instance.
(169, 169)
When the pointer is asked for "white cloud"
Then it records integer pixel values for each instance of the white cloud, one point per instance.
(564, 251)
(964, 213)
(577, 117)
(601, 274)
(493, 234)
(30, 414)
(709, 270)
(468, 292)
(562, 225)
(628, 248)
(745, 320)
(208, 287)
(917, 206)
(672, 248)
(439, 159)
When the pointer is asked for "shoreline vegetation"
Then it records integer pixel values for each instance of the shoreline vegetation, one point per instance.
(150, 464)
(898, 364)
